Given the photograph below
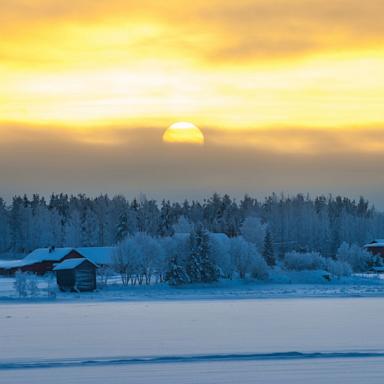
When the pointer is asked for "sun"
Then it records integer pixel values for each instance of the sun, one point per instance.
(183, 132)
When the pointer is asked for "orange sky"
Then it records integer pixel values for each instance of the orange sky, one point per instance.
(228, 64)
(289, 77)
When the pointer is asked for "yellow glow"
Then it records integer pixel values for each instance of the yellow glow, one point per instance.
(322, 92)
(142, 64)
(183, 132)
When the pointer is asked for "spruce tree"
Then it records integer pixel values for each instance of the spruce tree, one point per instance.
(200, 267)
(122, 227)
(176, 274)
(268, 252)
(166, 220)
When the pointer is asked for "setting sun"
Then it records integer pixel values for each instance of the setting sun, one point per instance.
(263, 95)
(156, 154)
(183, 132)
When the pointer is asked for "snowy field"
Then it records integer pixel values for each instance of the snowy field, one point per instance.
(291, 340)
(288, 285)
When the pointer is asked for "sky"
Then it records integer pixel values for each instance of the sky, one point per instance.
(288, 94)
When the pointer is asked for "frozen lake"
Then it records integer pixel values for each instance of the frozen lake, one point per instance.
(194, 341)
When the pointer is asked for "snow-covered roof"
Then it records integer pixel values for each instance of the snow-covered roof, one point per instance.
(37, 256)
(375, 243)
(71, 264)
(46, 254)
(8, 264)
(98, 255)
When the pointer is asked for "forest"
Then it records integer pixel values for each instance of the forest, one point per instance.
(295, 223)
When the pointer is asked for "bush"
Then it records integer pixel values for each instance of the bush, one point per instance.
(32, 287)
(26, 284)
(304, 261)
(310, 261)
(51, 285)
(259, 268)
(358, 258)
(20, 284)
(338, 268)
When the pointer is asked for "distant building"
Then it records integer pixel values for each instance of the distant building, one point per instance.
(376, 247)
(76, 275)
(43, 260)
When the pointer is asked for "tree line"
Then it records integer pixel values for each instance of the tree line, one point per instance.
(293, 223)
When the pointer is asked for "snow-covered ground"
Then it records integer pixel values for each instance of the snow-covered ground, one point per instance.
(297, 340)
(338, 371)
(233, 331)
(287, 285)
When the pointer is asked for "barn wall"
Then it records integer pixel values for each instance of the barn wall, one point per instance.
(39, 268)
(379, 251)
(72, 255)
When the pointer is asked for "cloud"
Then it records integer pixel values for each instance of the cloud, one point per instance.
(304, 141)
(242, 63)
(136, 161)
(228, 64)
(288, 28)
(215, 31)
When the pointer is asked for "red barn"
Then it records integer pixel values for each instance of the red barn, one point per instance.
(376, 247)
(43, 260)
(40, 261)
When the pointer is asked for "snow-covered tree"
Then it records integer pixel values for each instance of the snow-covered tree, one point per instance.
(126, 260)
(201, 267)
(176, 274)
(4, 228)
(337, 268)
(175, 251)
(26, 284)
(245, 257)
(20, 284)
(122, 230)
(72, 230)
(151, 255)
(300, 223)
(311, 261)
(358, 258)
(166, 219)
(268, 252)
(304, 261)
(259, 268)
(254, 231)
(183, 225)
(220, 249)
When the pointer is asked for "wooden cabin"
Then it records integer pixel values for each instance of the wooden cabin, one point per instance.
(76, 275)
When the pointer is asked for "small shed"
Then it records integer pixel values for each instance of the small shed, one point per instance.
(77, 275)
